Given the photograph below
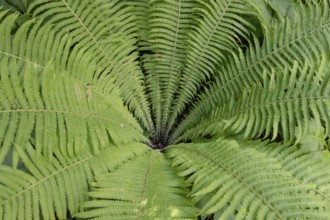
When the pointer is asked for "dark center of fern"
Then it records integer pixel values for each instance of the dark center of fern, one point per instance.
(157, 142)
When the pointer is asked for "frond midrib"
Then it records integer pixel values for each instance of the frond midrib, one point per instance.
(168, 91)
(22, 59)
(88, 31)
(65, 168)
(211, 35)
(230, 173)
(145, 184)
(277, 50)
(208, 97)
(278, 101)
(78, 114)
(194, 68)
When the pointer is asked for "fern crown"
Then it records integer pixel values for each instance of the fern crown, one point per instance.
(164, 109)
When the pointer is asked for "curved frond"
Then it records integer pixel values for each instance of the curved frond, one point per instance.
(85, 83)
(303, 41)
(35, 44)
(56, 110)
(221, 26)
(305, 162)
(107, 31)
(168, 26)
(282, 107)
(141, 10)
(240, 182)
(144, 188)
(46, 190)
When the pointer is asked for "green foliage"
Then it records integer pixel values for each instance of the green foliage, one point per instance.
(144, 188)
(230, 170)
(236, 90)
(47, 189)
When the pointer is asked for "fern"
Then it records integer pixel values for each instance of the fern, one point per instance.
(221, 26)
(100, 33)
(52, 188)
(229, 170)
(284, 105)
(40, 111)
(163, 109)
(143, 188)
(287, 44)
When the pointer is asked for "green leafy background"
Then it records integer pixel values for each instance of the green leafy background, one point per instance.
(163, 109)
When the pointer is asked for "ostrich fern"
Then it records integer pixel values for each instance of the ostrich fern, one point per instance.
(164, 109)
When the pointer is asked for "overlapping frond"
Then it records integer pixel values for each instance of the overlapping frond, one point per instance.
(35, 44)
(83, 82)
(146, 187)
(20, 46)
(238, 181)
(57, 111)
(221, 28)
(141, 10)
(307, 163)
(304, 40)
(282, 107)
(47, 189)
(107, 31)
(168, 26)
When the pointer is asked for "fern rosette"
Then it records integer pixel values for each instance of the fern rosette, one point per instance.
(164, 109)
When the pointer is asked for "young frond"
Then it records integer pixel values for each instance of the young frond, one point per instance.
(169, 24)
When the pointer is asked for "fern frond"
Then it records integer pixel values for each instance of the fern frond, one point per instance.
(36, 45)
(32, 43)
(141, 10)
(144, 188)
(222, 26)
(303, 41)
(283, 107)
(107, 31)
(309, 165)
(65, 114)
(169, 24)
(48, 189)
(240, 182)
